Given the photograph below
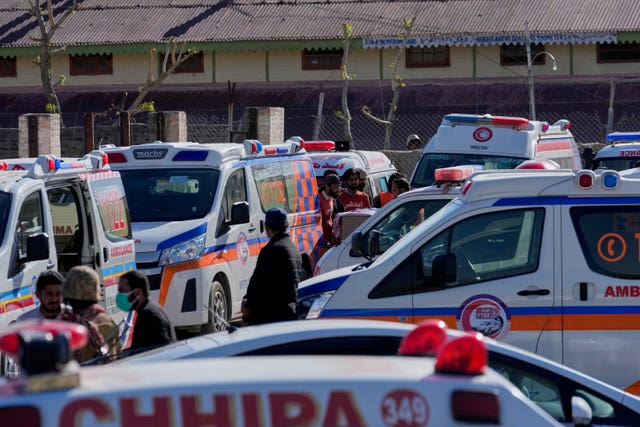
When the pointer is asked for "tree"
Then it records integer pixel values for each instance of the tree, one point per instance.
(48, 25)
(345, 115)
(178, 53)
(396, 84)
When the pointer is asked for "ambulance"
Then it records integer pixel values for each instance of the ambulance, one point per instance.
(454, 388)
(394, 220)
(57, 213)
(623, 152)
(327, 155)
(495, 142)
(197, 212)
(547, 260)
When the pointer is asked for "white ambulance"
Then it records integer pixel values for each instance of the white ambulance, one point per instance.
(456, 388)
(326, 156)
(394, 220)
(623, 152)
(547, 260)
(495, 142)
(55, 214)
(198, 219)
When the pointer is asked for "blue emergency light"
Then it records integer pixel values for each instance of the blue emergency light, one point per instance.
(623, 136)
(610, 180)
(191, 156)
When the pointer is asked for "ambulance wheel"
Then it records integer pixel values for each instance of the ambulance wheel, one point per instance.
(218, 310)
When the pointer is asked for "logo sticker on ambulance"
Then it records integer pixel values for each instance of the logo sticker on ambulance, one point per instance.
(482, 134)
(485, 314)
(243, 248)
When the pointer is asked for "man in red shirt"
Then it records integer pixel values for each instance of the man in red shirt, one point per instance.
(329, 206)
(352, 198)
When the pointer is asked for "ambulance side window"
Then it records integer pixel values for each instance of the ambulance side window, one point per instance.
(235, 191)
(608, 238)
(30, 220)
(275, 185)
(486, 247)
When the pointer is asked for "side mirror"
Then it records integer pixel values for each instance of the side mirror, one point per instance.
(37, 247)
(374, 242)
(240, 213)
(358, 244)
(443, 270)
(580, 411)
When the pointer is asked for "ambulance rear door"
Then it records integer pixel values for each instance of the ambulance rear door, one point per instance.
(111, 246)
(504, 285)
(601, 288)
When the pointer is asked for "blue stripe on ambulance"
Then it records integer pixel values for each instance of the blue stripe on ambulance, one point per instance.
(566, 200)
(20, 292)
(117, 269)
(189, 234)
(318, 288)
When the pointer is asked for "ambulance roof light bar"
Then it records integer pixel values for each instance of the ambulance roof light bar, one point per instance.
(45, 164)
(255, 147)
(466, 354)
(455, 174)
(486, 120)
(623, 137)
(563, 124)
(319, 145)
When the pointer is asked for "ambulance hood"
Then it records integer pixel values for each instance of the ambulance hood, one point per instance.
(155, 236)
(329, 281)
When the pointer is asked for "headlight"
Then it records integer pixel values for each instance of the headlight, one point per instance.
(310, 307)
(185, 251)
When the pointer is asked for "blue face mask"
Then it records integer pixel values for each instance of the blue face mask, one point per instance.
(124, 300)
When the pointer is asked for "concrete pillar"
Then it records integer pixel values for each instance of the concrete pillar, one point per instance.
(265, 124)
(168, 126)
(38, 134)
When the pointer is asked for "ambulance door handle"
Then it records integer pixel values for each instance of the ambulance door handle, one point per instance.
(528, 292)
(252, 228)
(50, 264)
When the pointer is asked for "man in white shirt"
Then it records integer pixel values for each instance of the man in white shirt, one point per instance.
(49, 292)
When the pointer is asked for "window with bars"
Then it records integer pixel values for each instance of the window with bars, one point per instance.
(8, 67)
(618, 52)
(321, 59)
(516, 54)
(418, 57)
(90, 65)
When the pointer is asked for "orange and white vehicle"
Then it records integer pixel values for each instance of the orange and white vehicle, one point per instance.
(326, 155)
(495, 142)
(197, 212)
(57, 213)
(454, 388)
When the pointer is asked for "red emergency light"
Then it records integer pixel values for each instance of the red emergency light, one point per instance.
(425, 340)
(585, 179)
(9, 337)
(4, 166)
(538, 164)
(463, 355)
(116, 158)
(455, 173)
(318, 145)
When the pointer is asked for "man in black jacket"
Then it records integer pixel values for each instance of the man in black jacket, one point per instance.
(152, 325)
(273, 287)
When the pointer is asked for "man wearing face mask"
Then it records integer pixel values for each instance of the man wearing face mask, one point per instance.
(152, 326)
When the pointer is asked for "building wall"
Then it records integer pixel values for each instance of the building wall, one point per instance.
(364, 64)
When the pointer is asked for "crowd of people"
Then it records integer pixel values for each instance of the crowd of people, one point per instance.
(271, 294)
(74, 298)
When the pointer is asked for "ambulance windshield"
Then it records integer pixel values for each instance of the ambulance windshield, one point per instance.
(5, 206)
(428, 163)
(615, 163)
(169, 194)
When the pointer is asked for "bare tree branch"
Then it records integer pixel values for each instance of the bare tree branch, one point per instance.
(177, 55)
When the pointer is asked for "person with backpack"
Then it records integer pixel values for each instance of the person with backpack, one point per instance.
(80, 291)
